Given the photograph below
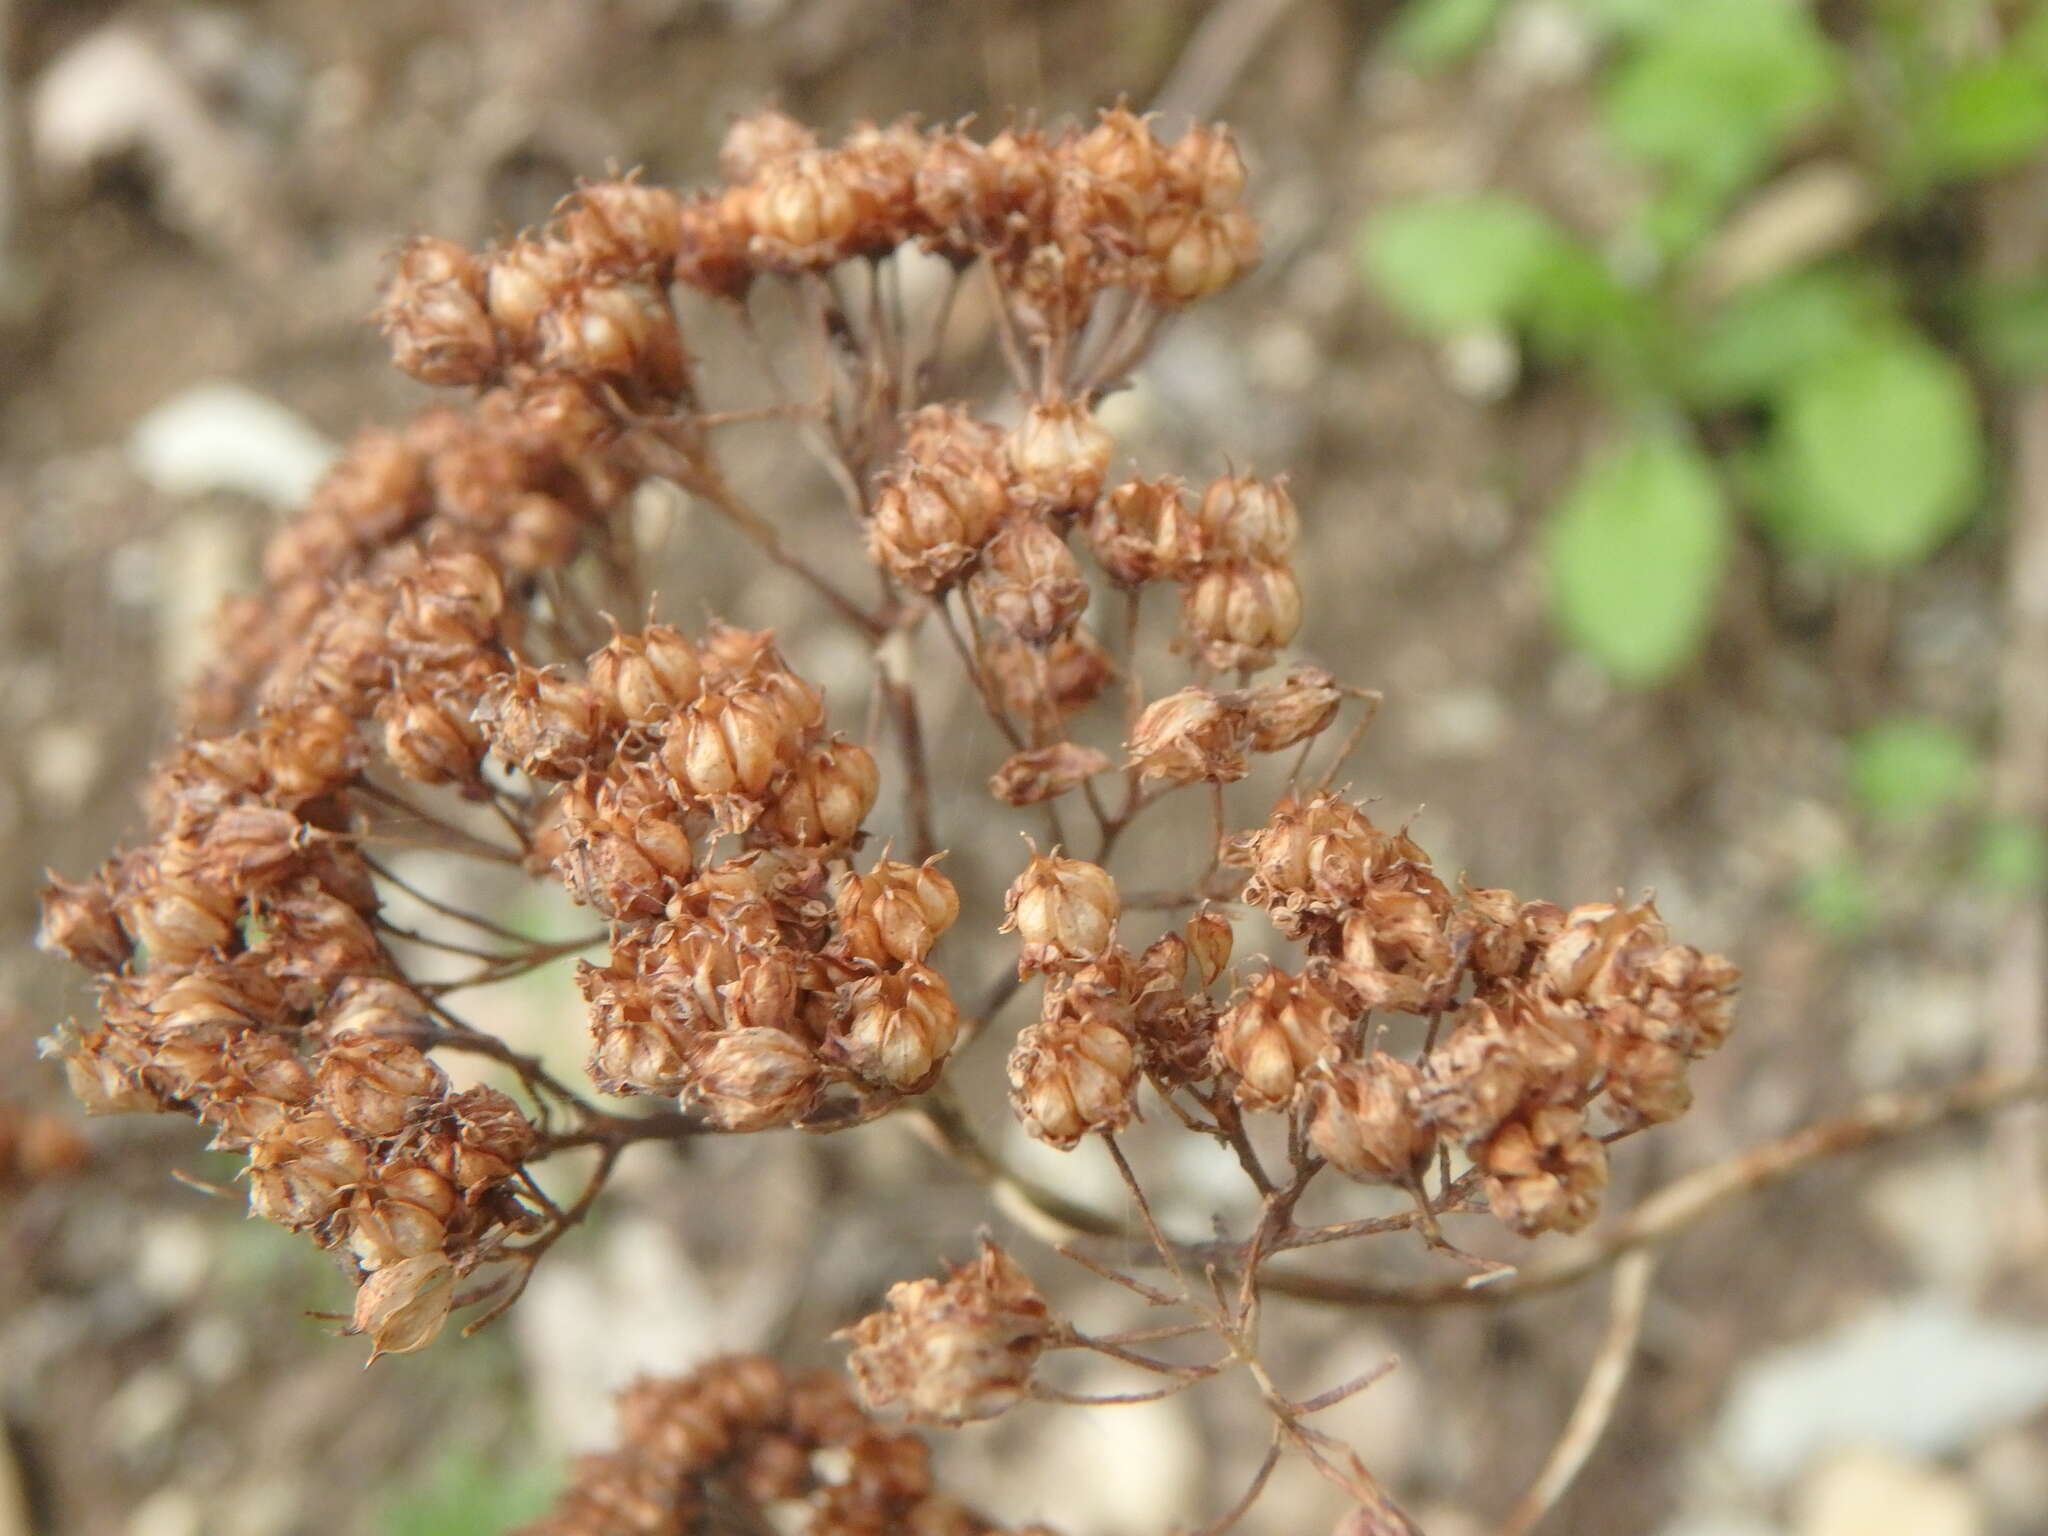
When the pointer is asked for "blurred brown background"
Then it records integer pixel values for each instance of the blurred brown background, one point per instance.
(196, 207)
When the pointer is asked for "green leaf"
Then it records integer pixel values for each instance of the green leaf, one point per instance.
(1908, 770)
(1635, 554)
(1712, 95)
(1983, 119)
(2008, 325)
(1451, 264)
(2011, 857)
(1836, 898)
(1431, 34)
(1759, 339)
(1876, 454)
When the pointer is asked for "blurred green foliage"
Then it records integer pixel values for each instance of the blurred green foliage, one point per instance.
(468, 1494)
(1840, 393)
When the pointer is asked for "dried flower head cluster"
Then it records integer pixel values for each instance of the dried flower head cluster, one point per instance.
(953, 1350)
(739, 1445)
(432, 671)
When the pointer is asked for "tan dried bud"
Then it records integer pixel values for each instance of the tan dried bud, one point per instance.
(1275, 1032)
(1289, 712)
(1489, 925)
(78, 922)
(1062, 911)
(433, 313)
(1028, 581)
(1045, 773)
(1196, 253)
(603, 864)
(825, 798)
(104, 1069)
(1394, 953)
(1210, 938)
(1364, 1120)
(428, 737)
(543, 722)
(404, 1306)
(955, 1350)
(634, 1047)
(622, 331)
(1121, 151)
(1060, 455)
(1143, 530)
(759, 140)
(540, 532)
(1074, 1071)
(730, 743)
(803, 211)
(895, 913)
(1312, 859)
(1544, 1172)
(1478, 1076)
(310, 751)
(179, 921)
(643, 678)
(1241, 613)
(385, 1228)
(898, 1027)
(1645, 1081)
(1206, 163)
(752, 1080)
(302, 1169)
(1690, 1000)
(373, 1086)
(625, 226)
(1190, 737)
(931, 520)
(493, 1136)
(449, 607)
(375, 1006)
(524, 281)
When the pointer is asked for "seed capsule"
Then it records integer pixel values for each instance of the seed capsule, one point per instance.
(1062, 910)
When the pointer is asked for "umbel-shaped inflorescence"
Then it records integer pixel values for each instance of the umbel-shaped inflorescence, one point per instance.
(432, 662)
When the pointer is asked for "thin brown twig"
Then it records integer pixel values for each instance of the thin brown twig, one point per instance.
(1594, 1410)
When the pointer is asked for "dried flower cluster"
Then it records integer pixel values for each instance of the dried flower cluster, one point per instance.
(738, 1445)
(432, 665)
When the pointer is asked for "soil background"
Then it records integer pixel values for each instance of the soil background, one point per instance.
(211, 197)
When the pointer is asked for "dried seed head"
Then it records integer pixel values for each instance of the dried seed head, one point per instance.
(803, 212)
(1544, 1171)
(373, 1086)
(635, 1047)
(1062, 911)
(1240, 613)
(1312, 859)
(731, 743)
(895, 913)
(1048, 683)
(1364, 1120)
(403, 1306)
(1274, 1033)
(104, 1067)
(752, 1079)
(759, 140)
(1206, 163)
(309, 751)
(624, 332)
(1645, 1082)
(931, 519)
(1196, 253)
(303, 1168)
(1076, 1070)
(1248, 519)
(433, 313)
(898, 1028)
(1190, 737)
(641, 679)
(542, 722)
(429, 736)
(1209, 940)
(1028, 581)
(179, 921)
(1143, 531)
(78, 922)
(1495, 1060)
(954, 1350)
(1292, 710)
(449, 607)
(1060, 455)
(825, 798)
(603, 864)
(1045, 773)
(624, 226)
(524, 282)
